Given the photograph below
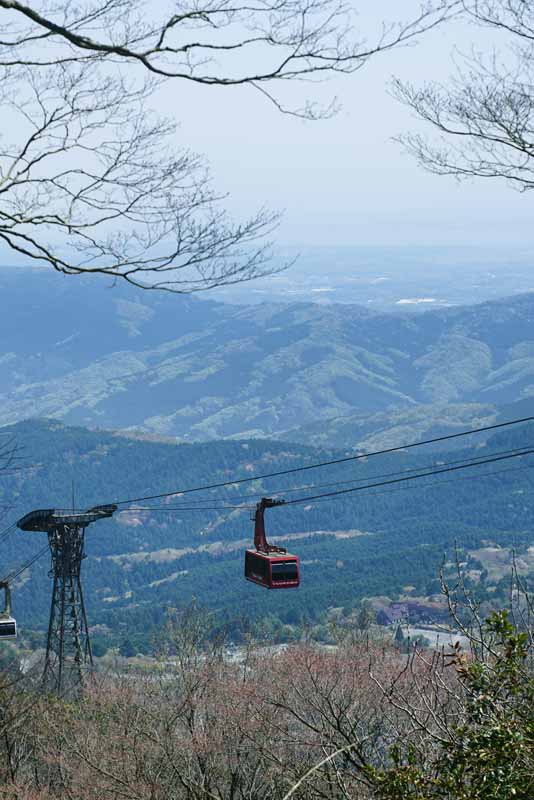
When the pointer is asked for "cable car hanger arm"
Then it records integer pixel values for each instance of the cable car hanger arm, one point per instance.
(7, 599)
(260, 539)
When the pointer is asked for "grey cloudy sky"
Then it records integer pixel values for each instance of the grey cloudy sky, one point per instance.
(345, 180)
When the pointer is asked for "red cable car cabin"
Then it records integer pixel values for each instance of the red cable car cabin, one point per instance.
(268, 565)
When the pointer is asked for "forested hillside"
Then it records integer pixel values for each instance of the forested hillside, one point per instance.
(199, 370)
(366, 543)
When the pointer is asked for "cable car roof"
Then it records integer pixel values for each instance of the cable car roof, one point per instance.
(276, 556)
(46, 519)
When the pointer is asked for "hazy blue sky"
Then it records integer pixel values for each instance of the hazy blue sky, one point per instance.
(344, 180)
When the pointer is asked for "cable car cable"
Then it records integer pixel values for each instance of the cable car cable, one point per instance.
(251, 496)
(326, 499)
(346, 459)
(466, 461)
(139, 509)
(437, 484)
(18, 571)
(11, 576)
(407, 478)
(282, 490)
(7, 531)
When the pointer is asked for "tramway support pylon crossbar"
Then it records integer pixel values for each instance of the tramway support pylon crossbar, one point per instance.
(68, 645)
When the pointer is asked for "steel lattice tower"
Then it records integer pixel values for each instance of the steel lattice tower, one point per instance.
(68, 646)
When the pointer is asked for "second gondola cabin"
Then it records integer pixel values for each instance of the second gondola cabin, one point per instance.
(8, 628)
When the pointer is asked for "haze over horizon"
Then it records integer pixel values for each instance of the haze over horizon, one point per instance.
(345, 180)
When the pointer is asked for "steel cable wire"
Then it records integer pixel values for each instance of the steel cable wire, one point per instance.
(322, 464)
(276, 492)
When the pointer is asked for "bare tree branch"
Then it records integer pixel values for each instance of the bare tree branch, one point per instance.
(484, 117)
(91, 180)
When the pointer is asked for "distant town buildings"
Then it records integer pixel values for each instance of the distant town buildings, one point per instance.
(412, 611)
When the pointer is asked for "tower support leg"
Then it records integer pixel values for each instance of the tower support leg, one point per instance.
(68, 648)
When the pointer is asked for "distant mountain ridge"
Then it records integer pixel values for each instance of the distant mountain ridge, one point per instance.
(103, 357)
